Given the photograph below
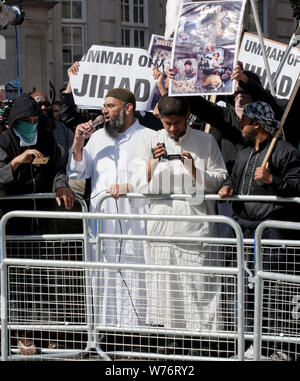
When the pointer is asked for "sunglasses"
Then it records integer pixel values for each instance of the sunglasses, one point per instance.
(44, 103)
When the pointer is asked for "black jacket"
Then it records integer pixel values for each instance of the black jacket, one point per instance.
(68, 112)
(29, 178)
(258, 93)
(284, 165)
(225, 126)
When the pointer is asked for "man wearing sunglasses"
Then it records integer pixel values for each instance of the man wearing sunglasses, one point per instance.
(63, 135)
(42, 100)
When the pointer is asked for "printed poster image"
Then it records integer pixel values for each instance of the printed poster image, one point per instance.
(160, 51)
(205, 47)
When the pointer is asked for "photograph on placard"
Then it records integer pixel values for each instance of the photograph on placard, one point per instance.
(160, 50)
(205, 47)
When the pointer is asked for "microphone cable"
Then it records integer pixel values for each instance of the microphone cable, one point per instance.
(120, 271)
(98, 121)
(119, 255)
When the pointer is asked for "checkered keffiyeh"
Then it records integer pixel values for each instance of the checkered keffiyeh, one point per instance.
(263, 113)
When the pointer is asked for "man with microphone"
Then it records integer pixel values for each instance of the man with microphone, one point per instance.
(106, 159)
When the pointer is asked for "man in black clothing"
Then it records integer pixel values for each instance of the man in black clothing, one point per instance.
(63, 135)
(280, 177)
(225, 121)
(28, 138)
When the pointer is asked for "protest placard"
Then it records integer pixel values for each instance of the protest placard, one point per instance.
(104, 68)
(251, 57)
(160, 50)
(205, 47)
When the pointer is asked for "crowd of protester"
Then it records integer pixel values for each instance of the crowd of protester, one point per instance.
(125, 154)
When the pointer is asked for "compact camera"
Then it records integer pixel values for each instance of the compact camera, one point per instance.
(5, 108)
(165, 156)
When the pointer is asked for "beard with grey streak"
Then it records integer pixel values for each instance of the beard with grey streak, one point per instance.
(116, 125)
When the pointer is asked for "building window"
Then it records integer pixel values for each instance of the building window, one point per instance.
(134, 20)
(73, 33)
(249, 21)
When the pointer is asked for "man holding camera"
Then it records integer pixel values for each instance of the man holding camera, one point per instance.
(27, 139)
(179, 159)
(30, 163)
(6, 102)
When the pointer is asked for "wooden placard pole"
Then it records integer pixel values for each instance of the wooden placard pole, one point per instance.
(283, 119)
(213, 99)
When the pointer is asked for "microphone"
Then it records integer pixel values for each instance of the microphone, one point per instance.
(96, 122)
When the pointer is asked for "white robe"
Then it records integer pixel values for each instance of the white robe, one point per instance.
(182, 300)
(119, 297)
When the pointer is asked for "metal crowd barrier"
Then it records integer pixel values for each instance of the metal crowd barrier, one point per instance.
(54, 246)
(214, 241)
(277, 295)
(249, 247)
(92, 329)
(83, 337)
(210, 197)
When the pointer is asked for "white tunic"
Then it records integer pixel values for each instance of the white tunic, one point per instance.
(181, 300)
(120, 296)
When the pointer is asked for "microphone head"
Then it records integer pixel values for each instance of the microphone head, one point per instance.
(96, 122)
(99, 120)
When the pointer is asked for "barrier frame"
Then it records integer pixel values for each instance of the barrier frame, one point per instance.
(92, 329)
(54, 237)
(216, 219)
(261, 275)
(236, 198)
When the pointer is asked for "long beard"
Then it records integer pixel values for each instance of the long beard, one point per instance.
(116, 125)
(249, 140)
